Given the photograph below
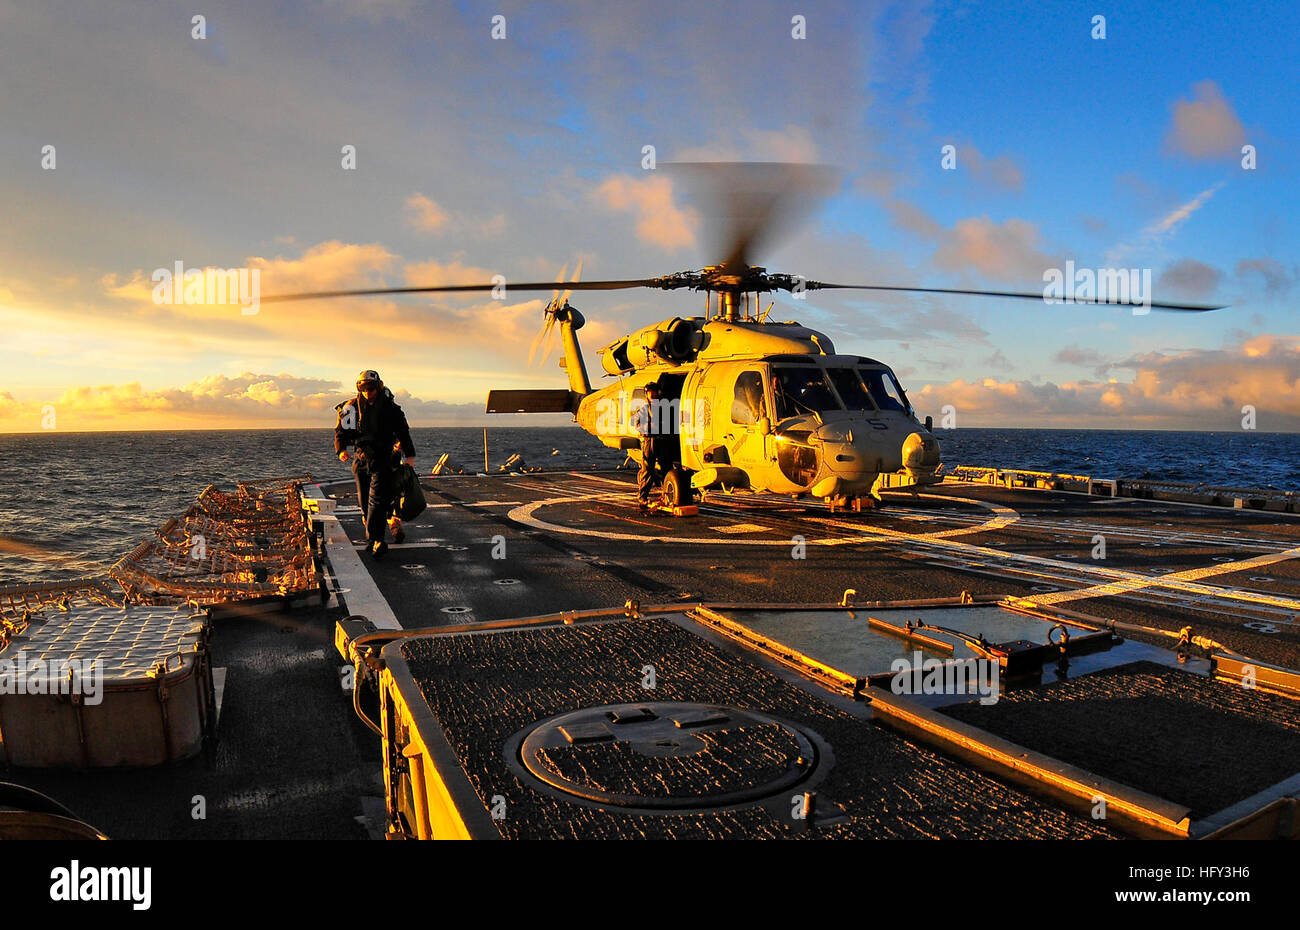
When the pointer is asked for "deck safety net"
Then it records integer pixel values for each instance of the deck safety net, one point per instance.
(229, 546)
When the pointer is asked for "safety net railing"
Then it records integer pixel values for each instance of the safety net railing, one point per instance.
(227, 546)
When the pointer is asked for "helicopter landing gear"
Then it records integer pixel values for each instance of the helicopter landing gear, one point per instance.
(676, 491)
(852, 503)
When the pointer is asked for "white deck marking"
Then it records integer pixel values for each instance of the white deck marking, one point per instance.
(741, 528)
(1117, 581)
(1180, 581)
(362, 595)
(1002, 517)
(423, 544)
(1122, 581)
(622, 484)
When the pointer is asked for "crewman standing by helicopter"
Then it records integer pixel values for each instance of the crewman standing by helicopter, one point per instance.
(646, 421)
(374, 425)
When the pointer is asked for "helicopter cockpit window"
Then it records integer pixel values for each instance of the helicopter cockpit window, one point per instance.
(801, 390)
(851, 389)
(748, 406)
(885, 391)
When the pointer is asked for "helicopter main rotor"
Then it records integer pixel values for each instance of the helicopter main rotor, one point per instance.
(751, 203)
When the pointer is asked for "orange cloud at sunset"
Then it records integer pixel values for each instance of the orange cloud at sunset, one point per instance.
(659, 220)
(1200, 389)
(246, 401)
(1190, 390)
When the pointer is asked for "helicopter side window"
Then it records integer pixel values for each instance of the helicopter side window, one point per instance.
(801, 390)
(747, 406)
(885, 391)
(851, 389)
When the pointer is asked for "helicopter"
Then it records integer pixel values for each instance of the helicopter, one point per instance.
(746, 403)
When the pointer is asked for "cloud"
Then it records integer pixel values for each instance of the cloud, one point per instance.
(905, 318)
(1194, 389)
(1167, 224)
(422, 335)
(998, 360)
(659, 221)
(1205, 127)
(434, 273)
(1007, 251)
(247, 400)
(1156, 233)
(1001, 172)
(913, 219)
(424, 215)
(1278, 280)
(1076, 355)
(1189, 278)
(427, 216)
(331, 265)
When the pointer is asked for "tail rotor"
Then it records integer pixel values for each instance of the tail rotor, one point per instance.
(545, 338)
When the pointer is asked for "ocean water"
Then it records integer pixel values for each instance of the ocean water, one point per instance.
(71, 504)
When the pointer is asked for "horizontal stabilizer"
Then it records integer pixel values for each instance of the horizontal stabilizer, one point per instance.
(550, 401)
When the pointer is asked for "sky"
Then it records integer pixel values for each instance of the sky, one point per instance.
(523, 154)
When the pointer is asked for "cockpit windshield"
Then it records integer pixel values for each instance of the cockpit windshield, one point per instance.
(801, 390)
(851, 389)
(885, 390)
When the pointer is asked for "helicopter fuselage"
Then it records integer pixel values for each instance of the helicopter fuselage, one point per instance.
(764, 406)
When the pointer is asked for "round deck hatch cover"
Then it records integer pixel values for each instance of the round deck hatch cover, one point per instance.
(666, 755)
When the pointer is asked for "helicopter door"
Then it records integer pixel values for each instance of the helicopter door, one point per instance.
(747, 441)
(699, 436)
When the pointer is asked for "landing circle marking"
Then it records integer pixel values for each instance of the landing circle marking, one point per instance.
(1001, 516)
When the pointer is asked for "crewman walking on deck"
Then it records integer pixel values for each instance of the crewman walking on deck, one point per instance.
(374, 425)
(645, 421)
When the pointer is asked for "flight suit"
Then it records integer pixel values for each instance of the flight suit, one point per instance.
(654, 464)
(374, 428)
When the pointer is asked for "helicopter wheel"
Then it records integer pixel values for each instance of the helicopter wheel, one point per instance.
(677, 488)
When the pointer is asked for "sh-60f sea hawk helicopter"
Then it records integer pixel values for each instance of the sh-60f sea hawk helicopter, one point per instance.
(747, 402)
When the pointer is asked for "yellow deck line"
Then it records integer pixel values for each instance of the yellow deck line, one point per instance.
(1175, 582)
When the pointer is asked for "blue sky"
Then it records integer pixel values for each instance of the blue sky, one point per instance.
(518, 156)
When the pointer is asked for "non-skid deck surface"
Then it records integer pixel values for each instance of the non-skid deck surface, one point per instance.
(1193, 740)
(508, 546)
(485, 688)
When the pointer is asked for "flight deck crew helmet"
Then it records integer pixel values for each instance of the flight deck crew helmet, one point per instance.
(368, 378)
(653, 386)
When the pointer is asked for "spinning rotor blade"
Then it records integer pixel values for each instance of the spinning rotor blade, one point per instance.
(467, 289)
(1020, 295)
(548, 318)
(559, 279)
(577, 276)
(548, 331)
(548, 344)
(541, 334)
(749, 204)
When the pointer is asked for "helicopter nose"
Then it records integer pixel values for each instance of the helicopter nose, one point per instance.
(920, 454)
(851, 463)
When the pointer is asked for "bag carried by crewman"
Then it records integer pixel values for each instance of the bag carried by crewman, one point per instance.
(409, 502)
